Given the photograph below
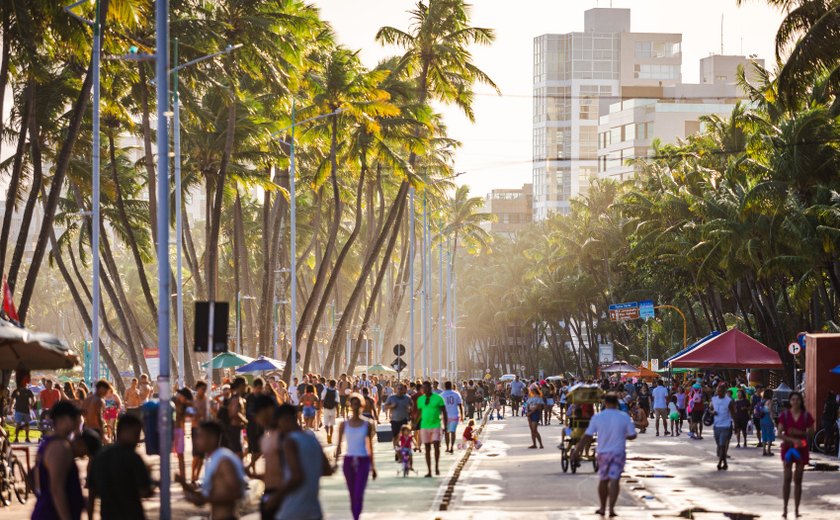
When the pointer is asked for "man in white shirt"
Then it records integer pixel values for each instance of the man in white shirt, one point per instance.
(454, 412)
(613, 428)
(660, 406)
(723, 408)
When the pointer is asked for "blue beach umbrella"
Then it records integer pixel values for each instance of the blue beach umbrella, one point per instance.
(262, 364)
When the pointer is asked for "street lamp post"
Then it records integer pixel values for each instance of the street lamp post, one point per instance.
(441, 321)
(164, 388)
(176, 130)
(284, 301)
(96, 24)
(411, 240)
(293, 229)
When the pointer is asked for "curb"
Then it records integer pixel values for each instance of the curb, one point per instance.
(449, 490)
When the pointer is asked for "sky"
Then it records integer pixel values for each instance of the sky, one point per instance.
(496, 149)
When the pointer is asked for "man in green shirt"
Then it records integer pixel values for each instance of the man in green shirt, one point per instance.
(431, 407)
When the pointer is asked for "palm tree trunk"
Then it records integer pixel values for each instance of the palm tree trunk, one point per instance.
(34, 189)
(383, 268)
(394, 215)
(148, 156)
(128, 228)
(332, 236)
(4, 72)
(336, 270)
(216, 214)
(56, 187)
(14, 183)
(195, 266)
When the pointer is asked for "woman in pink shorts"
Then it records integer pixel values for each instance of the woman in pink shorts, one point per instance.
(113, 405)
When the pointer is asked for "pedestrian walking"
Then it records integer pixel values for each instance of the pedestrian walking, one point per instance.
(358, 460)
(93, 407)
(660, 406)
(224, 477)
(24, 402)
(431, 407)
(454, 412)
(723, 408)
(56, 477)
(742, 417)
(768, 431)
(329, 403)
(757, 404)
(399, 406)
(200, 412)
(119, 476)
(517, 392)
(534, 406)
(796, 426)
(695, 408)
(613, 428)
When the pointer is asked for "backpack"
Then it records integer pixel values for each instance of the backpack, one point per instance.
(758, 411)
(330, 398)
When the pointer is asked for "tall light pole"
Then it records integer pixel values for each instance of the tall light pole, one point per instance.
(411, 241)
(95, 181)
(424, 315)
(164, 388)
(293, 228)
(441, 320)
(449, 365)
(179, 276)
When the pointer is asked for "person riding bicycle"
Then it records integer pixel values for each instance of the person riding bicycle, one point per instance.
(406, 445)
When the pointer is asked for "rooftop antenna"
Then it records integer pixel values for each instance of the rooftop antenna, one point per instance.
(721, 34)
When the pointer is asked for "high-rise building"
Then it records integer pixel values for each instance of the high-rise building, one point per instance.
(576, 76)
(629, 126)
(513, 208)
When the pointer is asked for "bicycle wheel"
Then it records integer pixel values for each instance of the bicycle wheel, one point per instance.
(819, 441)
(564, 460)
(18, 481)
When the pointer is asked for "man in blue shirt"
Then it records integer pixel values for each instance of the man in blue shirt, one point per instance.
(517, 390)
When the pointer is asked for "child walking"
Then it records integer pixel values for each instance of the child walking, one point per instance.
(674, 416)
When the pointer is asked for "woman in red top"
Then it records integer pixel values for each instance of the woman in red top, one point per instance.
(795, 425)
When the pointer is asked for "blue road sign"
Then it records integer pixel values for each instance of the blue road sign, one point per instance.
(646, 310)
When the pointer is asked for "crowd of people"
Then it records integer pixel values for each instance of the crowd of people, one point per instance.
(239, 422)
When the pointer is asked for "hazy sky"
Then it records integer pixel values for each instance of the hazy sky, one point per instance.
(496, 150)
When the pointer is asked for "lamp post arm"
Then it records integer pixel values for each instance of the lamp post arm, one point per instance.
(685, 324)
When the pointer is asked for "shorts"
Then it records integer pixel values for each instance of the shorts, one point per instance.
(661, 412)
(396, 426)
(697, 416)
(136, 412)
(234, 437)
(674, 416)
(308, 412)
(342, 401)
(254, 433)
(610, 465)
(683, 416)
(722, 435)
(429, 435)
(178, 441)
(452, 424)
(329, 417)
(196, 453)
(21, 418)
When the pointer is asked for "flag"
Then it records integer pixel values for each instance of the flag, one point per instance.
(8, 303)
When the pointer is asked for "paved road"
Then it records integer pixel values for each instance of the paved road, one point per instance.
(665, 478)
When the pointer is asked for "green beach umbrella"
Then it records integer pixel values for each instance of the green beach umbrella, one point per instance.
(228, 360)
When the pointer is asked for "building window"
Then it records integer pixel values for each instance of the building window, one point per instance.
(629, 132)
(656, 72)
(643, 49)
(615, 135)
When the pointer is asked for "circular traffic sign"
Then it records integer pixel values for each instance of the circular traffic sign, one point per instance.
(794, 348)
(399, 349)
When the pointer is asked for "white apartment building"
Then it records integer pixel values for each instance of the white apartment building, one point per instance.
(576, 76)
(627, 130)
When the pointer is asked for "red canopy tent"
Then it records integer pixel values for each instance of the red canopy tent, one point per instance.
(732, 349)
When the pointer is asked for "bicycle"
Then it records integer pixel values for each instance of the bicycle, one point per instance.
(825, 443)
(404, 462)
(12, 477)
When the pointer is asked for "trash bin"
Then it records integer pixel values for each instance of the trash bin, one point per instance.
(149, 410)
(383, 433)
